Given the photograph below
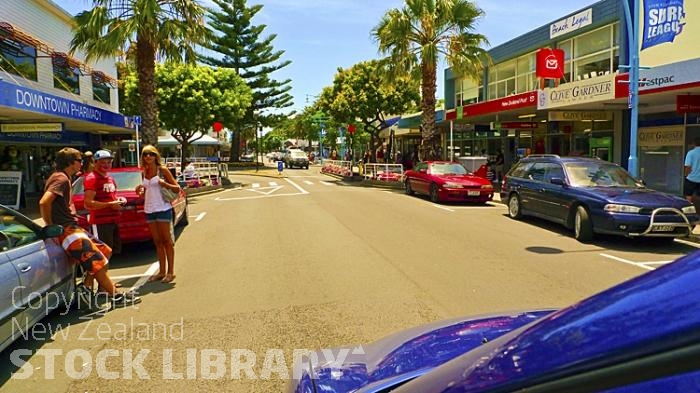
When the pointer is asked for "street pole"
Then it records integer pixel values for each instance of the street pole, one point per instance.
(632, 19)
(138, 148)
(452, 144)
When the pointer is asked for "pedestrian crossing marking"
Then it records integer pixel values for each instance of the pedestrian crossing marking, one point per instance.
(308, 183)
(273, 184)
(255, 185)
(325, 183)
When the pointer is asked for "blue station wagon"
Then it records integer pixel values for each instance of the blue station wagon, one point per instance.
(593, 196)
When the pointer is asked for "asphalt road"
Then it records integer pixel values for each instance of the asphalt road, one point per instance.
(307, 262)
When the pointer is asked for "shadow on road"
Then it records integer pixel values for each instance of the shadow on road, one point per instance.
(610, 242)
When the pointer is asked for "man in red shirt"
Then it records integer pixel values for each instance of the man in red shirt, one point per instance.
(101, 201)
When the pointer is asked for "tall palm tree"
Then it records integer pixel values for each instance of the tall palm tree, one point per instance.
(167, 29)
(416, 36)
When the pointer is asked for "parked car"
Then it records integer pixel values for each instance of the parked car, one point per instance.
(296, 158)
(447, 181)
(640, 336)
(593, 196)
(35, 275)
(132, 219)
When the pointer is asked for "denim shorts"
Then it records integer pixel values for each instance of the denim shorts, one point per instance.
(164, 216)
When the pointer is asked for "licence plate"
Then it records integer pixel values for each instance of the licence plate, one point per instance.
(662, 228)
(474, 193)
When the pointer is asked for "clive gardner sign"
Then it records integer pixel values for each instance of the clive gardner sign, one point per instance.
(20, 97)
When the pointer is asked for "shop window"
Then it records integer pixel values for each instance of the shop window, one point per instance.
(592, 54)
(593, 42)
(101, 90)
(18, 58)
(593, 66)
(66, 73)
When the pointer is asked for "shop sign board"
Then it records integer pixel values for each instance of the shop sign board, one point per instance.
(688, 104)
(32, 127)
(585, 91)
(518, 101)
(570, 24)
(10, 188)
(580, 115)
(24, 98)
(670, 31)
(661, 136)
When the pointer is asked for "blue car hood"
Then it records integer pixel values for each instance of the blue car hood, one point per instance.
(401, 356)
(643, 197)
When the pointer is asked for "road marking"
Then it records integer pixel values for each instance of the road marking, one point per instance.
(638, 264)
(443, 208)
(255, 185)
(144, 277)
(308, 183)
(303, 191)
(687, 243)
(325, 183)
(269, 190)
(200, 216)
(273, 184)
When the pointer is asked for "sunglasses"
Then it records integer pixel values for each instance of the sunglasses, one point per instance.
(149, 154)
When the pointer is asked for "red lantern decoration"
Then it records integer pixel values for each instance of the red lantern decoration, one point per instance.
(217, 126)
(351, 128)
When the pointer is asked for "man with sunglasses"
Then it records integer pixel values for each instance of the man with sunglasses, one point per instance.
(102, 202)
(56, 207)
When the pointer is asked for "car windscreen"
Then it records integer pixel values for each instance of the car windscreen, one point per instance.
(447, 169)
(126, 181)
(598, 174)
(298, 154)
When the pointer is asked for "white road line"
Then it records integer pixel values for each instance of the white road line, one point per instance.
(255, 185)
(687, 243)
(325, 183)
(258, 197)
(626, 261)
(308, 183)
(200, 216)
(655, 263)
(303, 191)
(149, 272)
(273, 184)
(443, 208)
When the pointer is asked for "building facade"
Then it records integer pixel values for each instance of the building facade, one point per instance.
(585, 110)
(48, 98)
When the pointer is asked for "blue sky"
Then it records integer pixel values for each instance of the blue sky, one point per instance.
(321, 35)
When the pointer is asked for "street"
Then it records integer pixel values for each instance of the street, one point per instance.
(306, 261)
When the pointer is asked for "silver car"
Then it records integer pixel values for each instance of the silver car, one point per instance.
(35, 276)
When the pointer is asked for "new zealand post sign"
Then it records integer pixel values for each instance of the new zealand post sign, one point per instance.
(663, 21)
(550, 63)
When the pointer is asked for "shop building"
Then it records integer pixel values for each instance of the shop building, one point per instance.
(583, 110)
(49, 99)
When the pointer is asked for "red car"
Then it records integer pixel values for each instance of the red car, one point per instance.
(447, 181)
(132, 220)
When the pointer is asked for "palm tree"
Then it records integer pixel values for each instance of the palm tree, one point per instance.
(167, 29)
(415, 37)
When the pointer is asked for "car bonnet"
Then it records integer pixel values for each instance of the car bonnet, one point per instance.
(655, 312)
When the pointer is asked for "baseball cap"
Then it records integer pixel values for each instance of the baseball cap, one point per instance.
(100, 154)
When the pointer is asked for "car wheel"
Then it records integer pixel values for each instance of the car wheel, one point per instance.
(515, 209)
(434, 197)
(407, 188)
(583, 228)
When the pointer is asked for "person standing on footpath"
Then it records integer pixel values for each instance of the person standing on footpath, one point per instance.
(691, 186)
(101, 201)
(159, 212)
(56, 207)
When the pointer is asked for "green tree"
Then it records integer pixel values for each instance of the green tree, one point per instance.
(243, 48)
(361, 94)
(192, 97)
(167, 29)
(416, 36)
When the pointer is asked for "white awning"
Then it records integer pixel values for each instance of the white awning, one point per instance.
(168, 140)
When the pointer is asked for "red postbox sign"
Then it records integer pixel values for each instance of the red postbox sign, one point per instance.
(351, 128)
(217, 126)
(550, 63)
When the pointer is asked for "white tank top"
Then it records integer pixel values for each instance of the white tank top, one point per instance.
(154, 201)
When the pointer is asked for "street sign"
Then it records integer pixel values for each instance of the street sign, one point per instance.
(137, 120)
(323, 132)
(132, 147)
